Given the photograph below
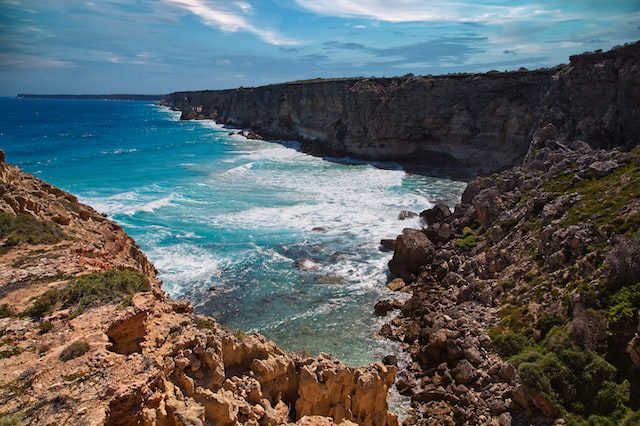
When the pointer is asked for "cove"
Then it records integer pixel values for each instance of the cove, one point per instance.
(259, 235)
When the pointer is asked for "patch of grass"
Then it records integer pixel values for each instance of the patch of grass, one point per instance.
(74, 350)
(467, 243)
(77, 376)
(6, 311)
(8, 353)
(603, 198)
(509, 284)
(45, 327)
(11, 420)
(22, 384)
(26, 229)
(116, 285)
(511, 317)
(205, 323)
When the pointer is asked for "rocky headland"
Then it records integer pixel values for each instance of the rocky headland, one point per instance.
(89, 338)
(525, 297)
(480, 122)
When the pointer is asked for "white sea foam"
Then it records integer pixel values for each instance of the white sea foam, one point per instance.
(240, 169)
(128, 203)
(184, 267)
(120, 151)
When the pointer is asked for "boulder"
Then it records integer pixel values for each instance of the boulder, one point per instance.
(413, 249)
(488, 206)
(396, 284)
(387, 245)
(383, 307)
(464, 372)
(598, 169)
(435, 214)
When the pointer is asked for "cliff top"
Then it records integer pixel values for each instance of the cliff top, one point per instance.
(626, 50)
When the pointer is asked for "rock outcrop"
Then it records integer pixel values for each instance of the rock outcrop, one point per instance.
(526, 311)
(89, 337)
(483, 122)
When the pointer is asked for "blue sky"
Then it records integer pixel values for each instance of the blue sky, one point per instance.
(158, 46)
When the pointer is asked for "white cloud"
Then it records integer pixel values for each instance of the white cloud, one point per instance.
(422, 10)
(228, 19)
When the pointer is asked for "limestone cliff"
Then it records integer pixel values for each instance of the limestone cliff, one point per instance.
(481, 121)
(89, 337)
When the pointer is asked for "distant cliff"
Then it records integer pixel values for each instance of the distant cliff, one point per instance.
(480, 121)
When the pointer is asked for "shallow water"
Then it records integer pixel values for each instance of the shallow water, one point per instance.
(229, 222)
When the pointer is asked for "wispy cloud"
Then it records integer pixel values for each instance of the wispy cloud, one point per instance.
(228, 17)
(31, 62)
(421, 10)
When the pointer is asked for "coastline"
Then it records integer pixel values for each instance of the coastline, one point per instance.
(160, 360)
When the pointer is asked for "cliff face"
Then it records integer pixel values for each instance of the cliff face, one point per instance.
(484, 122)
(88, 336)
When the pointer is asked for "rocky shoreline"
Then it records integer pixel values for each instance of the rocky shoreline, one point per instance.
(523, 309)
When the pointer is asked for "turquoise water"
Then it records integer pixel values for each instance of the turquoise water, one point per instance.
(229, 222)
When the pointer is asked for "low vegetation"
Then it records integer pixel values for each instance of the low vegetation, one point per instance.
(26, 229)
(579, 382)
(74, 350)
(114, 286)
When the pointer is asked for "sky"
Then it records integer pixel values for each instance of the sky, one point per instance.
(160, 46)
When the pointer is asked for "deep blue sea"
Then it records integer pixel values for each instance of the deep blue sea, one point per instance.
(229, 222)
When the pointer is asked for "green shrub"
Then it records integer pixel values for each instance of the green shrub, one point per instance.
(631, 419)
(612, 396)
(547, 322)
(510, 344)
(466, 232)
(625, 304)
(45, 327)
(74, 350)
(205, 323)
(576, 379)
(467, 242)
(26, 229)
(508, 224)
(115, 285)
(6, 311)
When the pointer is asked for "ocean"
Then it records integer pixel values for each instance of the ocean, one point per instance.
(257, 234)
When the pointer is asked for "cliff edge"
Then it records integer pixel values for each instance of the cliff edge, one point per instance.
(89, 337)
(480, 122)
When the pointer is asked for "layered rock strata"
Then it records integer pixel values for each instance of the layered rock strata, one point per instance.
(89, 337)
(482, 122)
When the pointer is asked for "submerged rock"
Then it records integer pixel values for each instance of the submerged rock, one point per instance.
(406, 214)
(306, 264)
